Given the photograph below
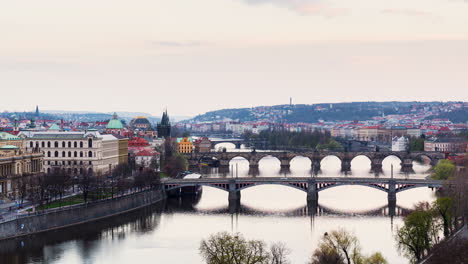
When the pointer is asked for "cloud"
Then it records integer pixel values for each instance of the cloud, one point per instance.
(304, 7)
(411, 12)
(177, 43)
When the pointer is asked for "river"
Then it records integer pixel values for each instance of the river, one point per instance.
(171, 232)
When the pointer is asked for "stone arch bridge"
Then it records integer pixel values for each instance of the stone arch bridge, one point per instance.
(311, 186)
(316, 157)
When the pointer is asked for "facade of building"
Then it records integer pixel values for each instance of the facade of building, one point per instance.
(16, 164)
(144, 158)
(451, 145)
(185, 145)
(77, 152)
(399, 143)
(203, 145)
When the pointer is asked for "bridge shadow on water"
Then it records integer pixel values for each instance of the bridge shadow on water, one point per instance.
(31, 249)
(189, 204)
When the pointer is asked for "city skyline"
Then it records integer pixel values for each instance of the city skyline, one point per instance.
(194, 57)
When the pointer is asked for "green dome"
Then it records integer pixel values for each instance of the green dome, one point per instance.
(114, 123)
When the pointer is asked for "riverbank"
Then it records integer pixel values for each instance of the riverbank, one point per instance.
(52, 219)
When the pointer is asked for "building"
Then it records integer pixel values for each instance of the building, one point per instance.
(185, 145)
(144, 158)
(76, 152)
(141, 123)
(399, 144)
(16, 164)
(203, 145)
(164, 127)
(451, 145)
(115, 126)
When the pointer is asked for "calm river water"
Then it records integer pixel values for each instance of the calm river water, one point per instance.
(171, 232)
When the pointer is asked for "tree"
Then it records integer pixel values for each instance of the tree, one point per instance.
(416, 144)
(279, 253)
(443, 170)
(342, 247)
(176, 164)
(375, 258)
(443, 206)
(223, 248)
(86, 183)
(418, 234)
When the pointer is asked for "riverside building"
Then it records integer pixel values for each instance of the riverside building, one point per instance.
(77, 152)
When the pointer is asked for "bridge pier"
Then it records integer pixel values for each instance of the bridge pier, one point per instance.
(234, 196)
(253, 163)
(285, 163)
(224, 163)
(312, 195)
(315, 165)
(238, 145)
(376, 165)
(407, 165)
(346, 165)
(392, 195)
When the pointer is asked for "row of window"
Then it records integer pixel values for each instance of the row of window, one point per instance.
(64, 144)
(66, 162)
(75, 154)
(75, 170)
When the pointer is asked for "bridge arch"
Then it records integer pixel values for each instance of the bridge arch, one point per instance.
(301, 159)
(178, 186)
(220, 145)
(269, 156)
(298, 187)
(375, 186)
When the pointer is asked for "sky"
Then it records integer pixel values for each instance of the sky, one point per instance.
(193, 56)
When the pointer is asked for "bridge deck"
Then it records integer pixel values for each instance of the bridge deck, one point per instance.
(303, 179)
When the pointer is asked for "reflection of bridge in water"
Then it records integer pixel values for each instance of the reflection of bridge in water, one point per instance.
(311, 186)
(189, 204)
(316, 157)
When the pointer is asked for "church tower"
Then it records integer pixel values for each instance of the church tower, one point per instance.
(164, 127)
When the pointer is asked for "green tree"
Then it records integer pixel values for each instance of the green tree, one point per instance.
(418, 234)
(444, 207)
(443, 170)
(224, 248)
(416, 144)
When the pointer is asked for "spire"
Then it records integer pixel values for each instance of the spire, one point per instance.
(114, 116)
(37, 111)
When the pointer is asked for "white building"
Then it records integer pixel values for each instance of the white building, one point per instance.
(76, 152)
(399, 144)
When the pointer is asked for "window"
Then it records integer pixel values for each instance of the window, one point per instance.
(48, 162)
(69, 144)
(76, 154)
(90, 163)
(81, 154)
(75, 145)
(69, 154)
(48, 144)
(90, 143)
(63, 144)
(63, 154)
(56, 144)
(81, 144)
(31, 144)
(56, 154)
(90, 154)
(43, 144)
(48, 153)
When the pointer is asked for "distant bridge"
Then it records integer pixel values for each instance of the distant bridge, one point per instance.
(316, 157)
(311, 186)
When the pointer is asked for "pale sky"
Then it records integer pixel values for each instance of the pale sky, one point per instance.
(193, 56)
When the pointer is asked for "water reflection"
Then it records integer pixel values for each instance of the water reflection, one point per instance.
(84, 240)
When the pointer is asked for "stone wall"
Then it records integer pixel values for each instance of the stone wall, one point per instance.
(79, 214)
